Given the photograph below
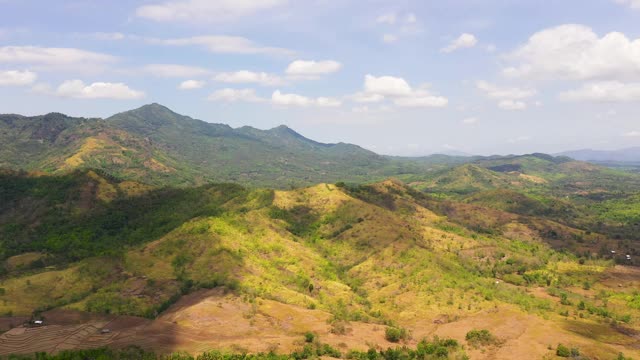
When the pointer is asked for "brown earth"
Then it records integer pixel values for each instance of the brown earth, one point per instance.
(212, 319)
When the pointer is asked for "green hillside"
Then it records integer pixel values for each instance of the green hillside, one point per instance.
(157, 146)
(182, 235)
(380, 254)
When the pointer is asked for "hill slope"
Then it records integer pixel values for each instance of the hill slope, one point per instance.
(344, 262)
(157, 146)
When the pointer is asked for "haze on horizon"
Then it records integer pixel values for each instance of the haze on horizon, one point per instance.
(397, 77)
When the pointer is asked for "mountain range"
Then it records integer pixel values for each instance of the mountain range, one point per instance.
(156, 230)
(157, 146)
(628, 155)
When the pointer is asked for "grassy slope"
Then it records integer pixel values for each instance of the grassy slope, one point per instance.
(381, 254)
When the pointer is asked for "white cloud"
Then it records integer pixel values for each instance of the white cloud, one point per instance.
(278, 98)
(234, 95)
(465, 40)
(55, 58)
(312, 69)
(97, 90)
(386, 85)
(470, 121)
(205, 11)
(575, 52)
(389, 38)
(512, 105)
(411, 18)
(17, 78)
(495, 92)
(174, 70)
(632, 134)
(327, 102)
(388, 19)
(604, 91)
(362, 97)
(634, 4)
(421, 99)
(224, 44)
(245, 76)
(376, 88)
(191, 84)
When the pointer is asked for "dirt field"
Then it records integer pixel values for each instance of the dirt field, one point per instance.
(211, 319)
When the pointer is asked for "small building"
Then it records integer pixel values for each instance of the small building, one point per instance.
(38, 322)
(628, 257)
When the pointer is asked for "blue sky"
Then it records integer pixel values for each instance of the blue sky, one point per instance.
(397, 77)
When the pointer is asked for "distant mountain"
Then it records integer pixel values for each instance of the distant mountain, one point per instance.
(631, 155)
(155, 145)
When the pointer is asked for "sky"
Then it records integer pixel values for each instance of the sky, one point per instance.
(399, 77)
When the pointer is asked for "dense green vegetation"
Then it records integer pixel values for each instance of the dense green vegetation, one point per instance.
(63, 216)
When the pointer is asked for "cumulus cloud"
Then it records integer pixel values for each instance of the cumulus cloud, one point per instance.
(575, 52)
(245, 76)
(191, 85)
(97, 90)
(386, 85)
(17, 78)
(632, 134)
(278, 98)
(495, 92)
(224, 44)
(464, 41)
(402, 94)
(55, 58)
(604, 91)
(512, 105)
(174, 70)
(204, 10)
(312, 68)
(470, 121)
(235, 95)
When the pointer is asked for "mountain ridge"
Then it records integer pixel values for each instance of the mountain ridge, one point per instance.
(631, 154)
(157, 145)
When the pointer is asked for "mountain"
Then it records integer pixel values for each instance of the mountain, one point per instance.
(331, 269)
(157, 230)
(631, 155)
(154, 145)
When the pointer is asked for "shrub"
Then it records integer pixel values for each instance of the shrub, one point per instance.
(309, 337)
(480, 337)
(563, 351)
(394, 334)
